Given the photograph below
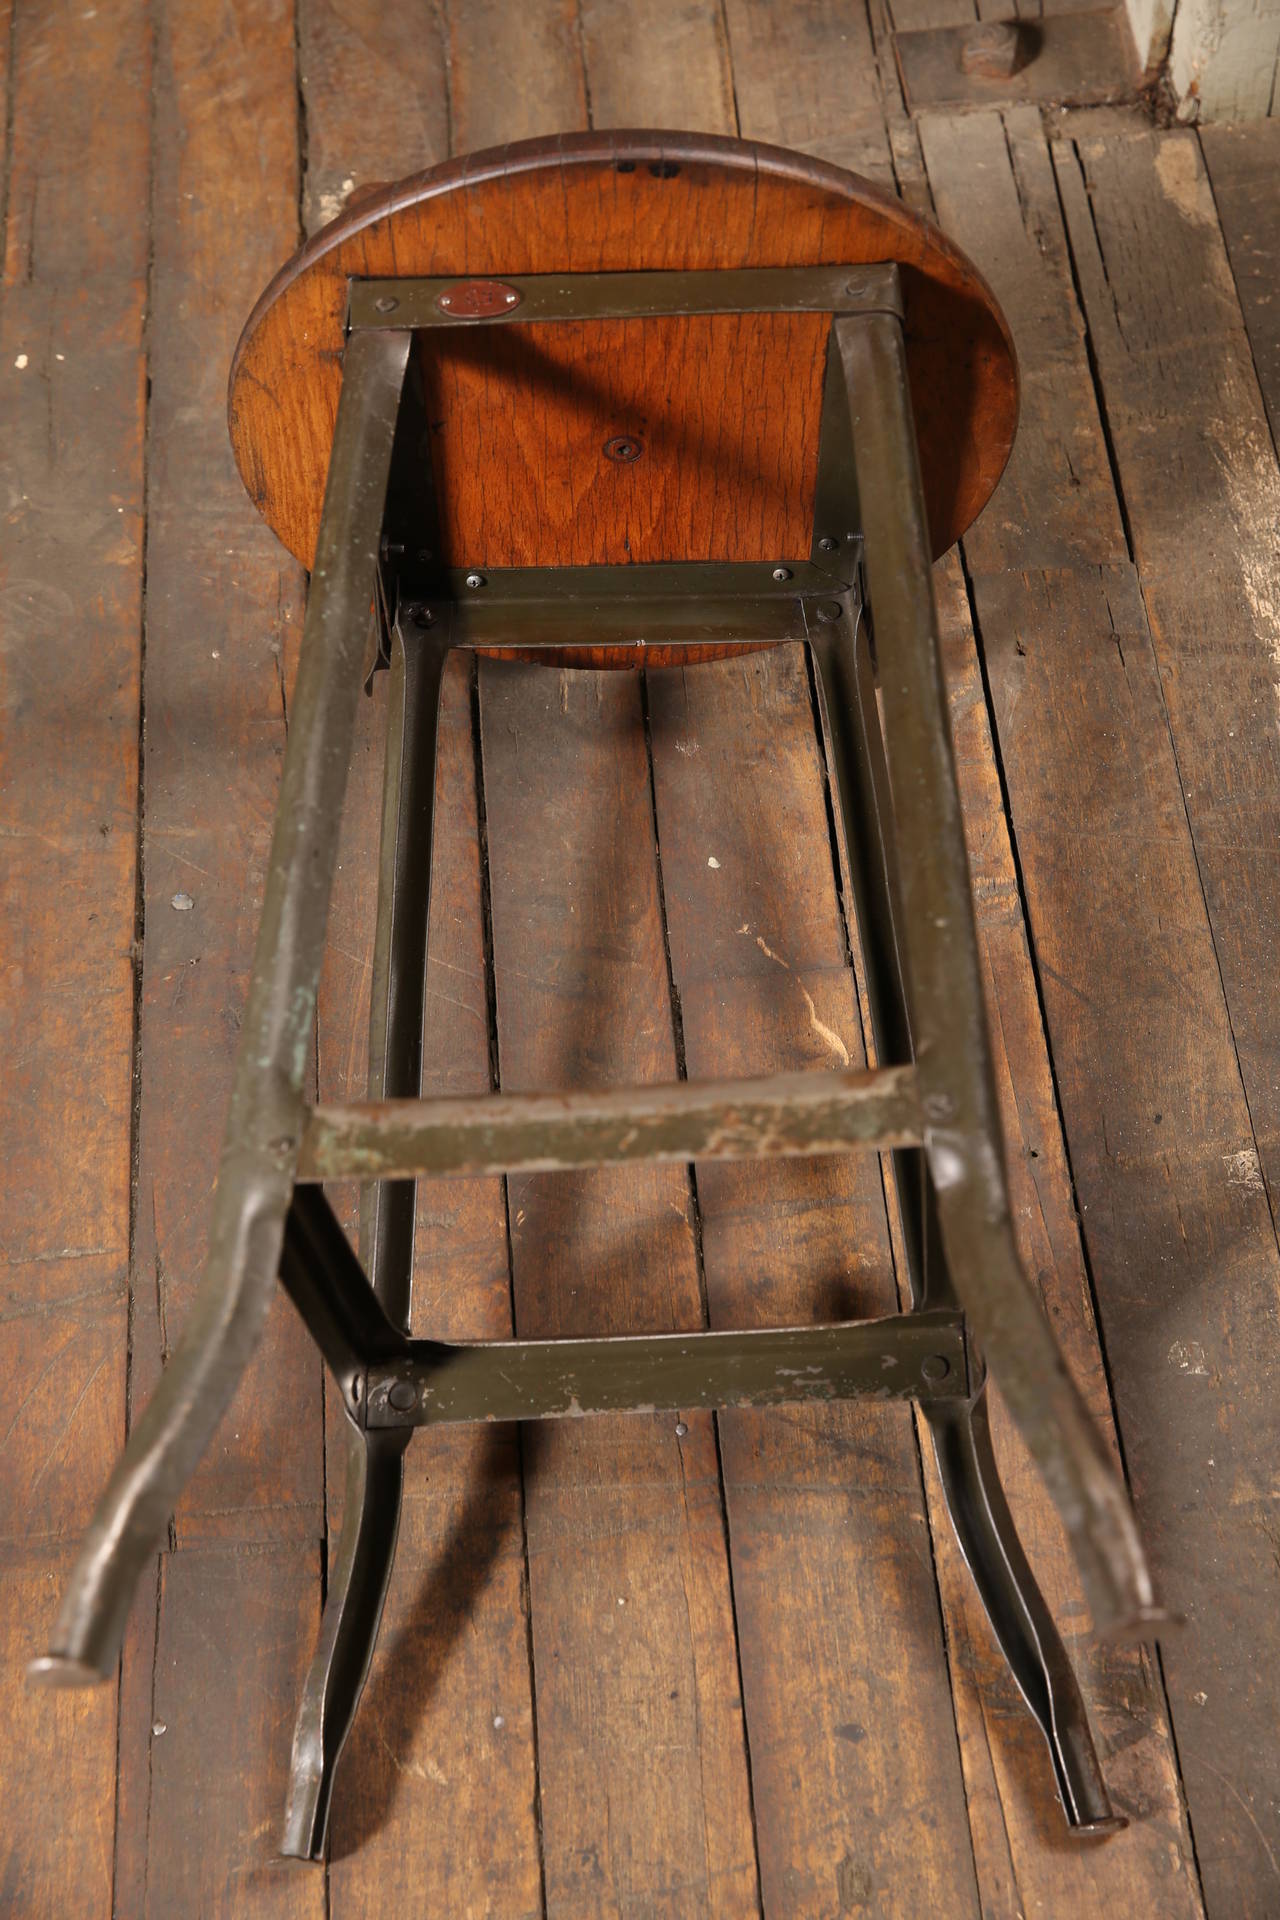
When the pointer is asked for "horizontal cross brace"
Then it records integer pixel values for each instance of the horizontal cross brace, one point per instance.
(515, 299)
(576, 612)
(785, 1114)
(920, 1356)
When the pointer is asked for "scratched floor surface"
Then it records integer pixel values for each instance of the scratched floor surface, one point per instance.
(637, 1668)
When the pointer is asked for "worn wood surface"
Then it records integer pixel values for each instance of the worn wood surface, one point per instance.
(1177, 373)
(629, 1582)
(992, 184)
(1243, 163)
(436, 1808)
(827, 1554)
(219, 604)
(71, 572)
(799, 1709)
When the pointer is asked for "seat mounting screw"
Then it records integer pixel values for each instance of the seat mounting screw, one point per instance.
(404, 1396)
(935, 1366)
(475, 579)
(782, 573)
(386, 304)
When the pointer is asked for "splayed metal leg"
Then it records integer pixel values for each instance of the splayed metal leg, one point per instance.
(264, 1126)
(1024, 1627)
(361, 1572)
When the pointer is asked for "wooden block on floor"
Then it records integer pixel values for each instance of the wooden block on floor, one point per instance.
(1059, 59)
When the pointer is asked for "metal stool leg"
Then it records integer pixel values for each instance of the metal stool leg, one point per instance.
(1023, 1625)
(361, 1573)
(264, 1127)
(1016, 1608)
(940, 971)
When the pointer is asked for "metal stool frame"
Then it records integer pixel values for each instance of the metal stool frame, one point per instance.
(930, 1101)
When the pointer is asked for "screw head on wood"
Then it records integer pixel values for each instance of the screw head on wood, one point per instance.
(623, 447)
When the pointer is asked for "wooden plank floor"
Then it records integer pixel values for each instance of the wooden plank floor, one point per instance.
(642, 1667)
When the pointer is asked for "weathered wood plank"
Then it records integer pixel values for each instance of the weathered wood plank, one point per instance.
(73, 369)
(435, 1801)
(1202, 492)
(373, 80)
(213, 1839)
(71, 577)
(1175, 1217)
(220, 601)
(994, 189)
(653, 64)
(993, 185)
(805, 77)
(632, 1627)
(631, 1609)
(1025, 1864)
(59, 1768)
(514, 71)
(826, 1511)
(1243, 164)
(917, 16)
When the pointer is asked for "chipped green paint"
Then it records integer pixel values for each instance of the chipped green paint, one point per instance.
(787, 1114)
(920, 1356)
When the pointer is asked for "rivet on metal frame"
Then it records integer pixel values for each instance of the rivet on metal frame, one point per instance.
(478, 299)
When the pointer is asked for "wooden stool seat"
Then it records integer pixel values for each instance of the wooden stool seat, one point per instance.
(598, 442)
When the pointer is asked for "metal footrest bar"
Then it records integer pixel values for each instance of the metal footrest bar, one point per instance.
(921, 1355)
(787, 1114)
(390, 1381)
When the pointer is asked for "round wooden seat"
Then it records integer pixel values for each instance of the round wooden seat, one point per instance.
(719, 414)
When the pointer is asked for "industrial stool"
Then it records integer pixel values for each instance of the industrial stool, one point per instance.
(612, 401)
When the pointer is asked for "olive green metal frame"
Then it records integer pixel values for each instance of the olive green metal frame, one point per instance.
(930, 1102)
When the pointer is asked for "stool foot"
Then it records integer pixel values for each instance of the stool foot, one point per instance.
(348, 1631)
(1016, 1608)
